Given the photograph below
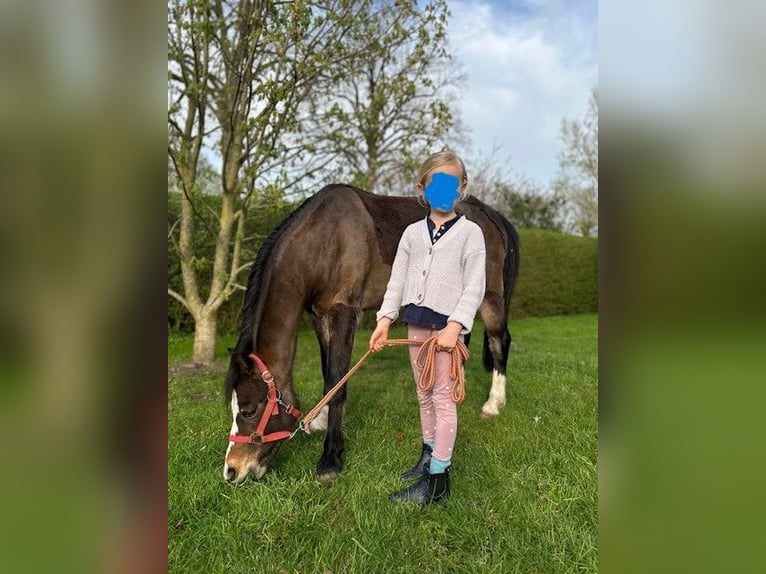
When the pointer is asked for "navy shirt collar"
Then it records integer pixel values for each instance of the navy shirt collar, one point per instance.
(442, 230)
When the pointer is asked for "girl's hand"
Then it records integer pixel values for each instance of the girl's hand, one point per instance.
(380, 334)
(446, 339)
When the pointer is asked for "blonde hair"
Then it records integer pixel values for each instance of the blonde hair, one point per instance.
(439, 159)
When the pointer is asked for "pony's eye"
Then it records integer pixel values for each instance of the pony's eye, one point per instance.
(247, 414)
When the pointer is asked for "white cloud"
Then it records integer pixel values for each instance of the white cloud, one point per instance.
(529, 65)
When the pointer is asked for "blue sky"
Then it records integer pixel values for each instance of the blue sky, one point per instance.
(529, 64)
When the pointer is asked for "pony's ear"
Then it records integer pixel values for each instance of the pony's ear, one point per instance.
(243, 363)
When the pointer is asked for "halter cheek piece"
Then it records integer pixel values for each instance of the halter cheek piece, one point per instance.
(274, 399)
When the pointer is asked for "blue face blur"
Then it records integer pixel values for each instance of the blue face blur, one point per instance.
(442, 192)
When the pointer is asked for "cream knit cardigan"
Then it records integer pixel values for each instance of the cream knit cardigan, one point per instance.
(449, 276)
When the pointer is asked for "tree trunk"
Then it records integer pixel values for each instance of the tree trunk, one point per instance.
(204, 337)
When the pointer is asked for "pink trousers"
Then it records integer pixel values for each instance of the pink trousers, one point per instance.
(438, 414)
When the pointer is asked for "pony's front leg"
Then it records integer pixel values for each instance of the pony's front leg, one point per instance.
(340, 326)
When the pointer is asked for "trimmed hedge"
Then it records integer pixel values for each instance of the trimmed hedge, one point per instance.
(558, 275)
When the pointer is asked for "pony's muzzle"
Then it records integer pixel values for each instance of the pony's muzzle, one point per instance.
(233, 475)
(236, 474)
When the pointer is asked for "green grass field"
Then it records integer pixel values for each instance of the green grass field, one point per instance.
(524, 484)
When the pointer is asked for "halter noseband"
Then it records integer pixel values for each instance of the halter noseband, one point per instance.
(274, 399)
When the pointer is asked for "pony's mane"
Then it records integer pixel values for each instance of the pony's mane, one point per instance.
(252, 307)
(253, 302)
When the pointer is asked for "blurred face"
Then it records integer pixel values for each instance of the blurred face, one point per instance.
(443, 188)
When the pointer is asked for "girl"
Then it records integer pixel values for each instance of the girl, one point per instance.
(438, 275)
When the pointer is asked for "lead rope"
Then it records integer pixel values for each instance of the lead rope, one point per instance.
(425, 360)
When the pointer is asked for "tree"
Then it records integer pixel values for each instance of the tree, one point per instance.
(526, 205)
(238, 74)
(524, 202)
(578, 169)
(396, 102)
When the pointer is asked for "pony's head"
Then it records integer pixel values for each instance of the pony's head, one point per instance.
(260, 419)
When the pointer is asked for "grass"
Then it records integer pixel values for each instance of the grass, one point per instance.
(524, 484)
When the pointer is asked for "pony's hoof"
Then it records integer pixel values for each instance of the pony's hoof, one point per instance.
(489, 413)
(327, 476)
(328, 471)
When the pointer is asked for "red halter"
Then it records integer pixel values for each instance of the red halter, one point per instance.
(274, 399)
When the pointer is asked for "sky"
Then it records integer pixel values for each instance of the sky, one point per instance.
(529, 65)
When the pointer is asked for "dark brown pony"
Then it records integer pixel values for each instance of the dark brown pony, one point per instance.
(332, 259)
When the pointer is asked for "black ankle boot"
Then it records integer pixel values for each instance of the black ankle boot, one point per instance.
(430, 488)
(421, 467)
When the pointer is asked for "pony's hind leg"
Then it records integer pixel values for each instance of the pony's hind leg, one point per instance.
(320, 422)
(497, 344)
(496, 400)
